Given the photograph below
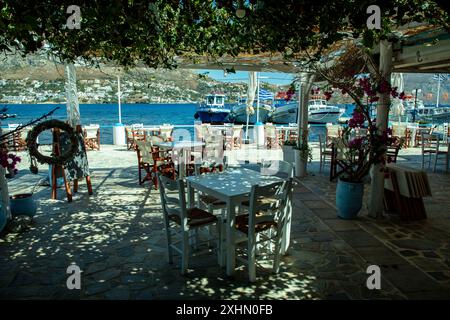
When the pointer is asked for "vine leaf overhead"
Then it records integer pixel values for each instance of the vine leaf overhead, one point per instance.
(156, 32)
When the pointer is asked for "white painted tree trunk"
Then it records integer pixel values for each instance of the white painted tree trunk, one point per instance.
(375, 206)
(4, 191)
(73, 109)
(306, 81)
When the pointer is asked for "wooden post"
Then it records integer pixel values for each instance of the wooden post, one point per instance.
(375, 206)
(306, 81)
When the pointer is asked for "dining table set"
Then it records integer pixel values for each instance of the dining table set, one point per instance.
(233, 186)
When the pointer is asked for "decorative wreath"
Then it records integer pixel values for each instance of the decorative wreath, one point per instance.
(55, 160)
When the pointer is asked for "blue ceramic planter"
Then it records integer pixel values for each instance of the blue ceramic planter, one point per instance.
(23, 204)
(349, 197)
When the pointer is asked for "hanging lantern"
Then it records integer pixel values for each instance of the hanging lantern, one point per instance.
(445, 96)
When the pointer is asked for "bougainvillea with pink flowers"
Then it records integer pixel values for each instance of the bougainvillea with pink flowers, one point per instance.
(360, 151)
(362, 142)
(9, 161)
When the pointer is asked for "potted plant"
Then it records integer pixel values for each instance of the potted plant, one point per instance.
(303, 154)
(357, 153)
(288, 151)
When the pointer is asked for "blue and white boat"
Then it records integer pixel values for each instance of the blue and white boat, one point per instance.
(239, 112)
(319, 112)
(213, 110)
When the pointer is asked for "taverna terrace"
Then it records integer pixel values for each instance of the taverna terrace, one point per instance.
(232, 211)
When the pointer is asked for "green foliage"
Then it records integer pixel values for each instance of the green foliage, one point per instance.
(155, 33)
(305, 151)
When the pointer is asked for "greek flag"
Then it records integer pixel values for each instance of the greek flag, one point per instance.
(265, 95)
(441, 77)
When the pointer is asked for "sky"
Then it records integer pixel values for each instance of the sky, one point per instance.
(242, 76)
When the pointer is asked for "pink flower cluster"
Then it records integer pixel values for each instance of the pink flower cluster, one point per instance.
(355, 143)
(9, 161)
(357, 119)
(328, 94)
(365, 84)
(289, 94)
(383, 87)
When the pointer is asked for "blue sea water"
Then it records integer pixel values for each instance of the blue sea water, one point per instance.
(107, 115)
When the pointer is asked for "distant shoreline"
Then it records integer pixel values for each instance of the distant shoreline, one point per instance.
(105, 103)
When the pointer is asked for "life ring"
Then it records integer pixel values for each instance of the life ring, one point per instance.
(55, 160)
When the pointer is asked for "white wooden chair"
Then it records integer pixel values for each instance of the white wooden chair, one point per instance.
(270, 132)
(92, 136)
(177, 216)
(279, 168)
(166, 132)
(325, 153)
(263, 224)
(431, 145)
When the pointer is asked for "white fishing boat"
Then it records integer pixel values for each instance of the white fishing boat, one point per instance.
(319, 112)
(285, 112)
(432, 114)
(239, 112)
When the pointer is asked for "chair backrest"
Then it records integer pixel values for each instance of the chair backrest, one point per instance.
(278, 191)
(333, 130)
(270, 131)
(237, 131)
(279, 168)
(154, 139)
(341, 148)
(92, 131)
(172, 205)
(322, 145)
(144, 150)
(429, 141)
(137, 126)
(166, 131)
(399, 130)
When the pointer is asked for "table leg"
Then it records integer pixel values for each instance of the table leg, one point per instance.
(287, 227)
(231, 259)
(181, 164)
(190, 195)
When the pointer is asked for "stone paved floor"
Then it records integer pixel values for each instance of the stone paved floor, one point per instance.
(117, 238)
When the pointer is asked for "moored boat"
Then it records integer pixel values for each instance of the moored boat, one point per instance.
(213, 110)
(239, 112)
(319, 112)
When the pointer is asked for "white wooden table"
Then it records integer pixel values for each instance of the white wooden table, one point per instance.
(232, 186)
(184, 151)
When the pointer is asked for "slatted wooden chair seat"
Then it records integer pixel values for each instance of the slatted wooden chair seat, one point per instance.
(195, 217)
(242, 223)
(208, 200)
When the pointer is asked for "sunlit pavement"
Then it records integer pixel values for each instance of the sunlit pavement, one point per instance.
(117, 239)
